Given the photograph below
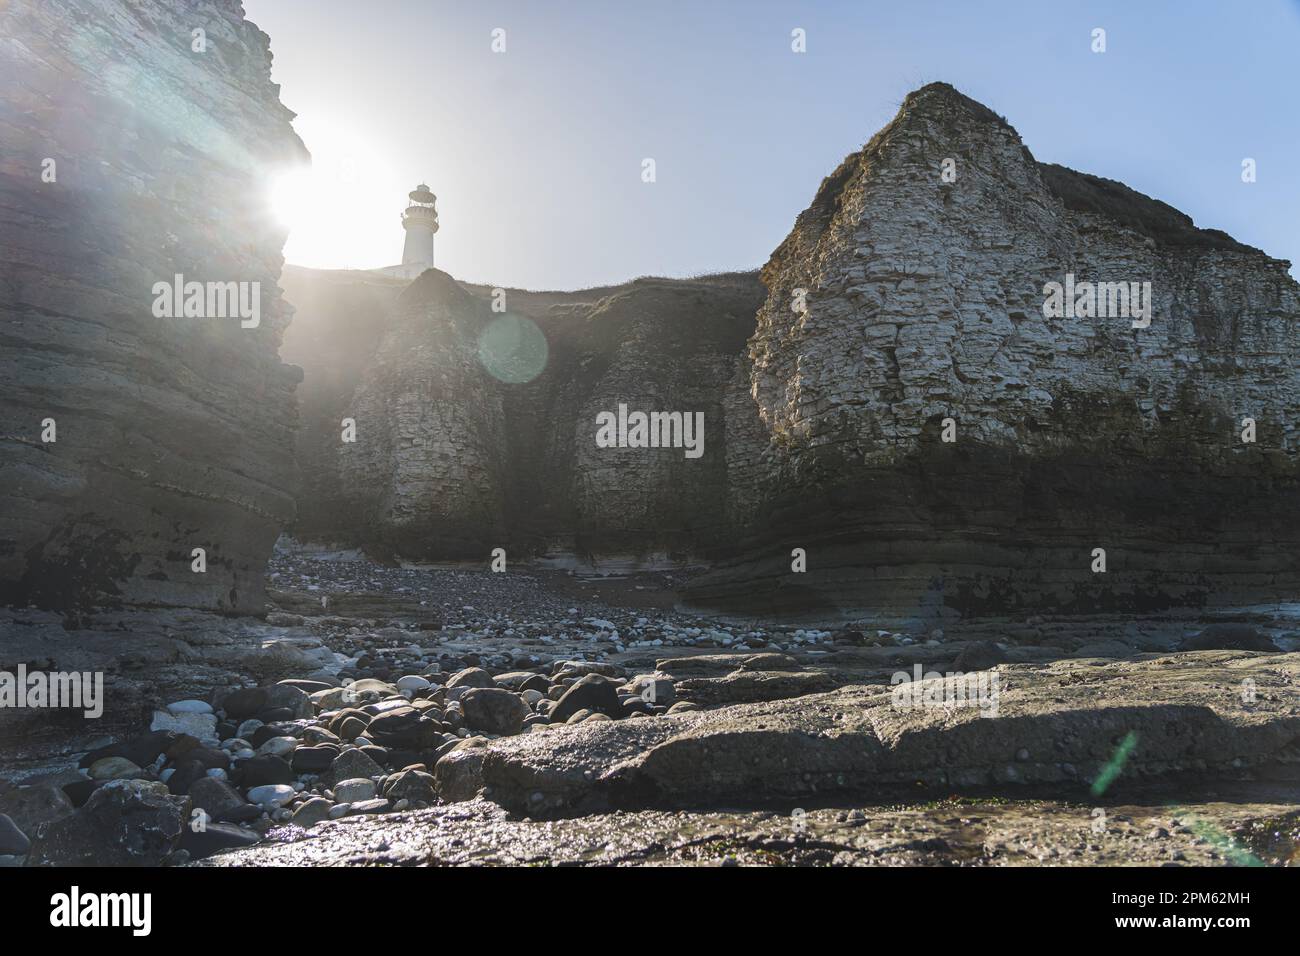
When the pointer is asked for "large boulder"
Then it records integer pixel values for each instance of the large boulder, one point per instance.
(124, 823)
(494, 710)
(593, 692)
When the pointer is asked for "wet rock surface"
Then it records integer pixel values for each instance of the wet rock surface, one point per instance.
(1249, 829)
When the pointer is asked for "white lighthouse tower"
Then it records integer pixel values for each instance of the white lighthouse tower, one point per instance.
(420, 220)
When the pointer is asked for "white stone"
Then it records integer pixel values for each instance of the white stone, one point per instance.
(190, 707)
(354, 790)
(196, 725)
(272, 794)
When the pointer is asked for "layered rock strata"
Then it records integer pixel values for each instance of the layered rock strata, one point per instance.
(902, 299)
(139, 141)
(477, 428)
(906, 407)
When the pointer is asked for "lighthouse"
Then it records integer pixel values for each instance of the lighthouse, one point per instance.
(420, 220)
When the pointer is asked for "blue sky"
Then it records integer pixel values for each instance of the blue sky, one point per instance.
(535, 154)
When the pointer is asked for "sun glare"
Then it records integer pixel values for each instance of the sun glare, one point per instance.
(347, 199)
(291, 197)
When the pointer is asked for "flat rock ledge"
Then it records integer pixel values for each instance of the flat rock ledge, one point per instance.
(1217, 713)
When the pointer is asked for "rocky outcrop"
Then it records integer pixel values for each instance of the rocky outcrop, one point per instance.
(139, 138)
(425, 470)
(906, 300)
(1064, 724)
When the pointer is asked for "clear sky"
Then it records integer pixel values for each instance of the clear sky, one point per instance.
(536, 153)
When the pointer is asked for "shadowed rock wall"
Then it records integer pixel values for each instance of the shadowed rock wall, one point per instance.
(171, 433)
(470, 437)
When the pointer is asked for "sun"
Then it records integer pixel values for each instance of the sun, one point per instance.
(341, 211)
(291, 197)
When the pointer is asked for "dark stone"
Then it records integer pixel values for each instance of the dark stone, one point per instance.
(352, 713)
(592, 692)
(1229, 637)
(263, 770)
(410, 785)
(216, 837)
(185, 774)
(264, 733)
(404, 727)
(276, 713)
(978, 656)
(215, 797)
(494, 710)
(244, 703)
(350, 728)
(79, 791)
(13, 842)
(210, 757)
(124, 823)
(353, 763)
(181, 746)
(314, 759)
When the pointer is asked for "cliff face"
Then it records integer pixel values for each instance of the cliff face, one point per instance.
(905, 308)
(171, 433)
(339, 321)
(925, 301)
(477, 429)
(425, 471)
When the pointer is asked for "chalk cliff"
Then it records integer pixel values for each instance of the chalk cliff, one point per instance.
(910, 294)
(924, 301)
